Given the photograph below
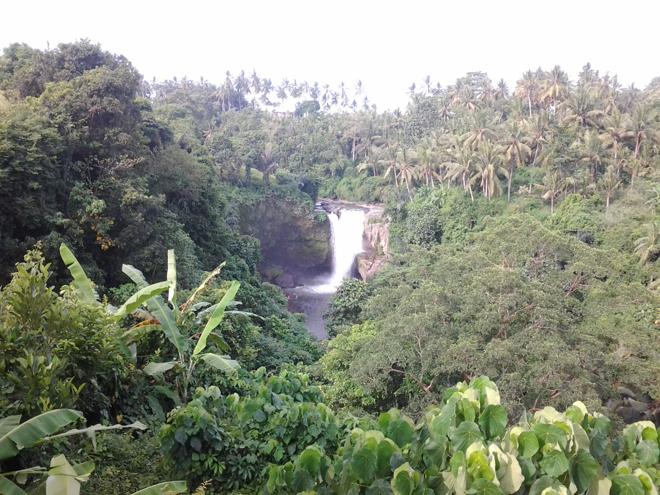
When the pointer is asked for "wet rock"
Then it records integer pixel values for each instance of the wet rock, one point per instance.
(286, 281)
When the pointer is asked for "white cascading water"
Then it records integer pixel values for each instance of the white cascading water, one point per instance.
(347, 228)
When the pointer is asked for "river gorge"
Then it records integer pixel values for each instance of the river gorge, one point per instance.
(357, 249)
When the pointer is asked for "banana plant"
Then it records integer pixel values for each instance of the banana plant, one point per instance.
(62, 477)
(166, 316)
(87, 293)
(169, 316)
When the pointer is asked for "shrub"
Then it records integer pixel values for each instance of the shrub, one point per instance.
(464, 446)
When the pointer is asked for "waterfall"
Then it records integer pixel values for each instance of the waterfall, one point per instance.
(313, 297)
(347, 228)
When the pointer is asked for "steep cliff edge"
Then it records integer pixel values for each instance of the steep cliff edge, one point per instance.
(295, 240)
(376, 243)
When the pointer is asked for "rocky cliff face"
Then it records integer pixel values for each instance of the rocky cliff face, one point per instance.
(294, 240)
(376, 243)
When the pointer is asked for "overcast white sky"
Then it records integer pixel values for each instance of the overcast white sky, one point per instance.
(386, 44)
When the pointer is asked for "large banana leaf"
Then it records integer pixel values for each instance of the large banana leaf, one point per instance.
(81, 282)
(92, 430)
(166, 488)
(155, 369)
(34, 430)
(65, 479)
(140, 297)
(8, 487)
(222, 363)
(159, 309)
(216, 317)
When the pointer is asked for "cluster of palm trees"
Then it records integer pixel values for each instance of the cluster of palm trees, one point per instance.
(588, 137)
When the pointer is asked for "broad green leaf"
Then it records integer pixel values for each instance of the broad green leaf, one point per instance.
(493, 421)
(550, 434)
(484, 487)
(310, 460)
(223, 363)
(442, 422)
(159, 309)
(171, 276)
(384, 452)
(363, 462)
(554, 463)
(34, 430)
(8, 487)
(378, 487)
(648, 452)
(404, 480)
(647, 482)
(479, 467)
(81, 282)
(141, 297)
(576, 412)
(584, 469)
(626, 484)
(9, 423)
(165, 488)
(216, 317)
(401, 430)
(465, 435)
(528, 444)
(544, 483)
(528, 468)
(155, 369)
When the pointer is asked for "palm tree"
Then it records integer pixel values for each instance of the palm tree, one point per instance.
(640, 127)
(528, 88)
(591, 152)
(556, 86)
(537, 133)
(482, 130)
(552, 187)
(609, 184)
(516, 153)
(406, 168)
(461, 165)
(581, 106)
(268, 163)
(648, 246)
(489, 157)
(426, 158)
(616, 132)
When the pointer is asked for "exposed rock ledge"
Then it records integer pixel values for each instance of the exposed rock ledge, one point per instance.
(376, 243)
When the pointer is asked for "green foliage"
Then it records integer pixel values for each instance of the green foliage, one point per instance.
(124, 463)
(343, 390)
(531, 313)
(231, 438)
(346, 305)
(57, 351)
(464, 446)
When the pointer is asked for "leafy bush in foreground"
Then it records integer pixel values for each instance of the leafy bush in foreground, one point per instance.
(233, 438)
(465, 447)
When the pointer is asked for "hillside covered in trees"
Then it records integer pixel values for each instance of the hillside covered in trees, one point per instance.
(511, 344)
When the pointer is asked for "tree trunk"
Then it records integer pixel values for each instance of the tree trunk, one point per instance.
(508, 186)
